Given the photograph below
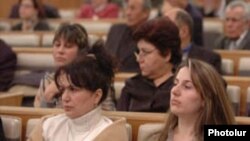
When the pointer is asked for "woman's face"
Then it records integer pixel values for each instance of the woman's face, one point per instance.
(64, 52)
(77, 101)
(27, 10)
(150, 60)
(185, 100)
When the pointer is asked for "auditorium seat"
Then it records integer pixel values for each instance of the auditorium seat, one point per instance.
(96, 27)
(234, 95)
(118, 85)
(227, 66)
(67, 13)
(12, 126)
(5, 26)
(21, 40)
(244, 67)
(149, 129)
(11, 98)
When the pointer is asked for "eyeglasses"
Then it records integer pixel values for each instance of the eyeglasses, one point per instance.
(143, 53)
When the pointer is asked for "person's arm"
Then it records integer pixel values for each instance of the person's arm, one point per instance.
(46, 92)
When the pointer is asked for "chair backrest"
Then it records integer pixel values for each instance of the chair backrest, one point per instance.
(31, 123)
(67, 13)
(244, 67)
(21, 40)
(118, 85)
(227, 66)
(234, 95)
(148, 129)
(35, 61)
(12, 126)
(11, 99)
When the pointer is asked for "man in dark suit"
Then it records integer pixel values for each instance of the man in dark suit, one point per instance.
(120, 42)
(190, 50)
(236, 27)
(195, 13)
(8, 61)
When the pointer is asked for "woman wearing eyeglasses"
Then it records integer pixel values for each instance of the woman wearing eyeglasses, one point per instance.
(158, 54)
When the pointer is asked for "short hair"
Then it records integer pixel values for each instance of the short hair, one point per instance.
(182, 17)
(91, 71)
(217, 106)
(73, 33)
(164, 35)
(240, 3)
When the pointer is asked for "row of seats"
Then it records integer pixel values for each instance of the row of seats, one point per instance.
(42, 60)
(18, 122)
(36, 39)
(212, 27)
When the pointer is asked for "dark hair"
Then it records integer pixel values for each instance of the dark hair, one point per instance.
(39, 7)
(73, 33)
(164, 35)
(92, 71)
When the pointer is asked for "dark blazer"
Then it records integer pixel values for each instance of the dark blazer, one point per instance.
(223, 42)
(8, 61)
(40, 26)
(197, 17)
(206, 55)
(120, 44)
(50, 11)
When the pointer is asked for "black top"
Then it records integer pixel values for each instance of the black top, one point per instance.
(141, 95)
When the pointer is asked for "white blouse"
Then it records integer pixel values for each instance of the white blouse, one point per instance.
(84, 128)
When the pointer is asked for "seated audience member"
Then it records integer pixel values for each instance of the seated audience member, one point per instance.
(198, 98)
(99, 9)
(189, 49)
(8, 62)
(213, 8)
(2, 135)
(236, 27)
(159, 52)
(31, 16)
(70, 41)
(120, 42)
(84, 85)
(197, 36)
(50, 11)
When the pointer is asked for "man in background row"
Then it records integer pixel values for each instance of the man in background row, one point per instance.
(120, 42)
